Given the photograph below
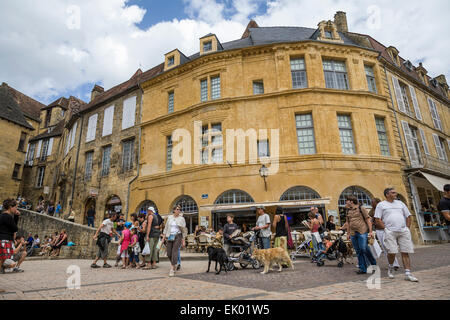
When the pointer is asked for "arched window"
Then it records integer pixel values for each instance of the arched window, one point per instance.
(144, 205)
(299, 193)
(363, 196)
(187, 204)
(233, 197)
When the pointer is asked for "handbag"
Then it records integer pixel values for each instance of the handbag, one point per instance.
(375, 249)
(290, 242)
(146, 250)
(158, 246)
(171, 238)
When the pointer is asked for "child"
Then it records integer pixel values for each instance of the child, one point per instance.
(125, 239)
(322, 253)
(134, 248)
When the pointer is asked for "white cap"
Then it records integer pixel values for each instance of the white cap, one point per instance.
(151, 209)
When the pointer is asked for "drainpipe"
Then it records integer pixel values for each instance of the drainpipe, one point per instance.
(139, 151)
(76, 165)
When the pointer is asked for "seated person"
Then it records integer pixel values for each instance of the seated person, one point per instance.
(321, 254)
(61, 241)
(20, 253)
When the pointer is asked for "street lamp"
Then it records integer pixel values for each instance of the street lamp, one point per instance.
(264, 173)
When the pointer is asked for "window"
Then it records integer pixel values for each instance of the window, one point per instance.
(129, 113)
(23, 137)
(411, 144)
(215, 88)
(48, 117)
(16, 170)
(335, 74)
(328, 34)
(92, 128)
(169, 153)
(44, 149)
(233, 197)
(170, 102)
(127, 155)
(88, 167)
(171, 61)
(434, 114)
(346, 134)
(108, 121)
(305, 134)
(363, 197)
(415, 141)
(424, 142)
(30, 154)
(440, 147)
(370, 76)
(298, 73)
(207, 46)
(382, 136)
(212, 140)
(40, 177)
(63, 112)
(263, 148)
(204, 90)
(405, 98)
(299, 193)
(258, 87)
(106, 160)
(73, 133)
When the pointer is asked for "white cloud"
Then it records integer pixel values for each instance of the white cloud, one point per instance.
(48, 49)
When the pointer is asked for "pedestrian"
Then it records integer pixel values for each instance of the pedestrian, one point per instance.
(152, 237)
(263, 224)
(380, 232)
(51, 209)
(142, 232)
(359, 228)
(103, 240)
(174, 232)
(58, 209)
(394, 217)
(444, 206)
(125, 240)
(29, 244)
(229, 228)
(281, 225)
(19, 255)
(134, 246)
(314, 225)
(91, 216)
(61, 241)
(8, 227)
(120, 225)
(330, 225)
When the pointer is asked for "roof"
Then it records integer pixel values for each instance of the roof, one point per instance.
(9, 108)
(55, 131)
(29, 107)
(60, 102)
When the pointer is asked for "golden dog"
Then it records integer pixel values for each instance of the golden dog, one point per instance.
(268, 257)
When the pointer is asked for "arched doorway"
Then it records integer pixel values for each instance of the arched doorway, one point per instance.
(241, 216)
(364, 198)
(142, 208)
(296, 215)
(90, 202)
(189, 209)
(113, 204)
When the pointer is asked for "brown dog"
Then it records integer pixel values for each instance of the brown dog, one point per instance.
(268, 257)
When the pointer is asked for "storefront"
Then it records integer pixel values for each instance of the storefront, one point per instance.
(427, 192)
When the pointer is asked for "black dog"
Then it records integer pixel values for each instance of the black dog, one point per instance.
(219, 256)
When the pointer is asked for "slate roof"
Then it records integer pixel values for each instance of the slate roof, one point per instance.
(57, 131)
(29, 107)
(9, 108)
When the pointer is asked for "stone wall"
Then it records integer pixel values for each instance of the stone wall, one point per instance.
(82, 236)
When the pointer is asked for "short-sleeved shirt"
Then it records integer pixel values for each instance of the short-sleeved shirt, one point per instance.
(444, 204)
(107, 226)
(393, 214)
(357, 220)
(261, 222)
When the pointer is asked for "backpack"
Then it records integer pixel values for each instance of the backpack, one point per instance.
(160, 219)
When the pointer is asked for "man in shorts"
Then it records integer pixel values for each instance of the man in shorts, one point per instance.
(394, 217)
(105, 229)
(18, 256)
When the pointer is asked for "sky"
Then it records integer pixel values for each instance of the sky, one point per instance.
(55, 48)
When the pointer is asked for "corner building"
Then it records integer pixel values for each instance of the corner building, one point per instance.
(323, 90)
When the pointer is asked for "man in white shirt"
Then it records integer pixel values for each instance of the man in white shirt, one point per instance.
(263, 224)
(394, 217)
(105, 230)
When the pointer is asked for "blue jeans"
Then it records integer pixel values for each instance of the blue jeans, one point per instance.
(90, 221)
(265, 242)
(318, 246)
(365, 257)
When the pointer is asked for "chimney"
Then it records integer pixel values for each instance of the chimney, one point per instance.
(441, 79)
(340, 20)
(96, 91)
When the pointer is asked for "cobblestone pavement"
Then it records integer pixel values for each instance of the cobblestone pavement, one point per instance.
(46, 279)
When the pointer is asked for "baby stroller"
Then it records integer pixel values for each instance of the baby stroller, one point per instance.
(337, 251)
(305, 249)
(244, 246)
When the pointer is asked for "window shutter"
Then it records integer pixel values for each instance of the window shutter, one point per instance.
(129, 112)
(415, 102)
(424, 142)
(39, 149)
(398, 95)
(434, 114)
(409, 144)
(27, 154)
(92, 127)
(108, 121)
(439, 149)
(72, 138)
(50, 147)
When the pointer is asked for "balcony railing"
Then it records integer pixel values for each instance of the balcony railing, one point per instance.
(431, 163)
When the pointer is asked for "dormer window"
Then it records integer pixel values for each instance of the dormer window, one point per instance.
(434, 82)
(408, 65)
(170, 61)
(328, 34)
(173, 59)
(207, 46)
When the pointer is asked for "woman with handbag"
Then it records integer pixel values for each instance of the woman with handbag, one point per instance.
(174, 234)
(281, 226)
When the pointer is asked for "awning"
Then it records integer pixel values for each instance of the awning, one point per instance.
(436, 181)
(299, 203)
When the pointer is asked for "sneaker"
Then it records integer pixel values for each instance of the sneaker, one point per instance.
(17, 269)
(94, 265)
(391, 273)
(178, 267)
(106, 265)
(171, 273)
(410, 277)
(361, 272)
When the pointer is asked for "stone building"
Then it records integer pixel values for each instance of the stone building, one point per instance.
(321, 97)
(19, 121)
